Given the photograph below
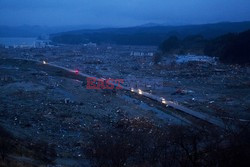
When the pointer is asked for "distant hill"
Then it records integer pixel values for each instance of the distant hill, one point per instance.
(231, 48)
(151, 34)
(35, 31)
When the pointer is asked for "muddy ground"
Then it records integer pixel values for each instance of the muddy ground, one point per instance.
(36, 106)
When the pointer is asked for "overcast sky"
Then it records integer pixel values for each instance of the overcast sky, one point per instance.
(121, 12)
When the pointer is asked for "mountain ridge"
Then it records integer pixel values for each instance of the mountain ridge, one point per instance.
(149, 35)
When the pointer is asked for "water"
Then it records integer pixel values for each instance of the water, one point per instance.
(18, 41)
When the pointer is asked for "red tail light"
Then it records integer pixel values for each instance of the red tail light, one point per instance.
(76, 71)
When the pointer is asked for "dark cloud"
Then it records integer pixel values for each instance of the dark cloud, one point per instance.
(121, 12)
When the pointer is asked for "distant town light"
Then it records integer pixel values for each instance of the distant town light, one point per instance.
(44, 62)
(140, 91)
(132, 90)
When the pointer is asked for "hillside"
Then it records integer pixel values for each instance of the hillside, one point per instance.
(147, 35)
(231, 48)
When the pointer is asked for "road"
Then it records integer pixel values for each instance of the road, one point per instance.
(56, 70)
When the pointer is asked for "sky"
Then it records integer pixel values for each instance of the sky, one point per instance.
(121, 12)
